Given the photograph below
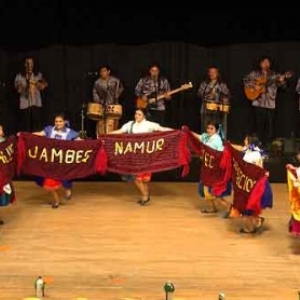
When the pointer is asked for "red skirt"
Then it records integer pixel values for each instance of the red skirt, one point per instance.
(145, 177)
(51, 184)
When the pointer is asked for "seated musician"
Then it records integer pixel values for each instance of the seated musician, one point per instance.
(153, 85)
(107, 91)
(215, 97)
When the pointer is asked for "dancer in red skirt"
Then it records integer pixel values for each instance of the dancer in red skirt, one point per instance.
(60, 131)
(140, 125)
(7, 196)
(252, 154)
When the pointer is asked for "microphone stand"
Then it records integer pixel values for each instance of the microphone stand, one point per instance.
(82, 133)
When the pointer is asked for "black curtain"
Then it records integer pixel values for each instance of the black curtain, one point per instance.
(69, 70)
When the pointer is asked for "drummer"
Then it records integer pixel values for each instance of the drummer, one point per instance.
(107, 91)
(215, 97)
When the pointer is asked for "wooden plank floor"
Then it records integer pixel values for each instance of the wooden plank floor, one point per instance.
(102, 245)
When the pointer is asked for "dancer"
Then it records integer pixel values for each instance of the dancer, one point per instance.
(213, 139)
(140, 125)
(8, 194)
(294, 194)
(252, 154)
(60, 131)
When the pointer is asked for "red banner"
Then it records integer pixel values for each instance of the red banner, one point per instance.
(152, 152)
(7, 161)
(249, 183)
(215, 166)
(60, 159)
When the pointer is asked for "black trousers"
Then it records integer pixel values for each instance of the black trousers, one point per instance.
(264, 123)
(30, 119)
(158, 116)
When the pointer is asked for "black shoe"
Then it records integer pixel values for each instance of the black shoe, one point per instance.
(55, 205)
(248, 232)
(144, 202)
(1, 222)
(205, 211)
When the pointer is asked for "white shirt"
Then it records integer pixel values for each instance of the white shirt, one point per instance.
(141, 127)
(253, 157)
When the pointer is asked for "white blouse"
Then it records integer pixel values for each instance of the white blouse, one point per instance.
(253, 157)
(141, 127)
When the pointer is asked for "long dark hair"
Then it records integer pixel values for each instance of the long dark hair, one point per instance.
(144, 111)
(260, 60)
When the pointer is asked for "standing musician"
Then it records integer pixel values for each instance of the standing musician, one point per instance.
(215, 97)
(154, 85)
(107, 91)
(29, 85)
(265, 103)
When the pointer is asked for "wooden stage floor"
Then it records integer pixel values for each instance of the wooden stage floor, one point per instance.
(103, 245)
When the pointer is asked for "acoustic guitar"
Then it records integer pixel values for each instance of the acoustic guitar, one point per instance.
(263, 83)
(144, 103)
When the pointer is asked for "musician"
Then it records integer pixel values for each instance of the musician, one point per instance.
(265, 105)
(107, 91)
(29, 84)
(215, 97)
(154, 85)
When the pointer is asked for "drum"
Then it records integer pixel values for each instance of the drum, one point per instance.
(106, 127)
(211, 106)
(114, 111)
(225, 108)
(95, 111)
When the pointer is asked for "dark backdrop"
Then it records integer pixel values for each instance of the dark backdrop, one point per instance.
(67, 70)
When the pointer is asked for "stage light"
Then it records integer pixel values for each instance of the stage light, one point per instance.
(222, 296)
(40, 288)
(169, 289)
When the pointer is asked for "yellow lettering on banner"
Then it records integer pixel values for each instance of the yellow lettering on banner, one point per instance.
(139, 147)
(3, 158)
(86, 156)
(79, 156)
(208, 160)
(6, 156)
(118, 148)
(70, 156)
(242, 181)
(159, 144)
(59, 156)
(128, 148)
(44, 155)
(32, 153)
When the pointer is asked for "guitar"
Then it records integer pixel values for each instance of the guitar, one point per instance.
(144, 103)
(263, 82)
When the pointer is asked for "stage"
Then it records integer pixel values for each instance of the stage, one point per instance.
(103, 245)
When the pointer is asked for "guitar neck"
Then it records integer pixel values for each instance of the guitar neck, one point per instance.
(163, 96)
